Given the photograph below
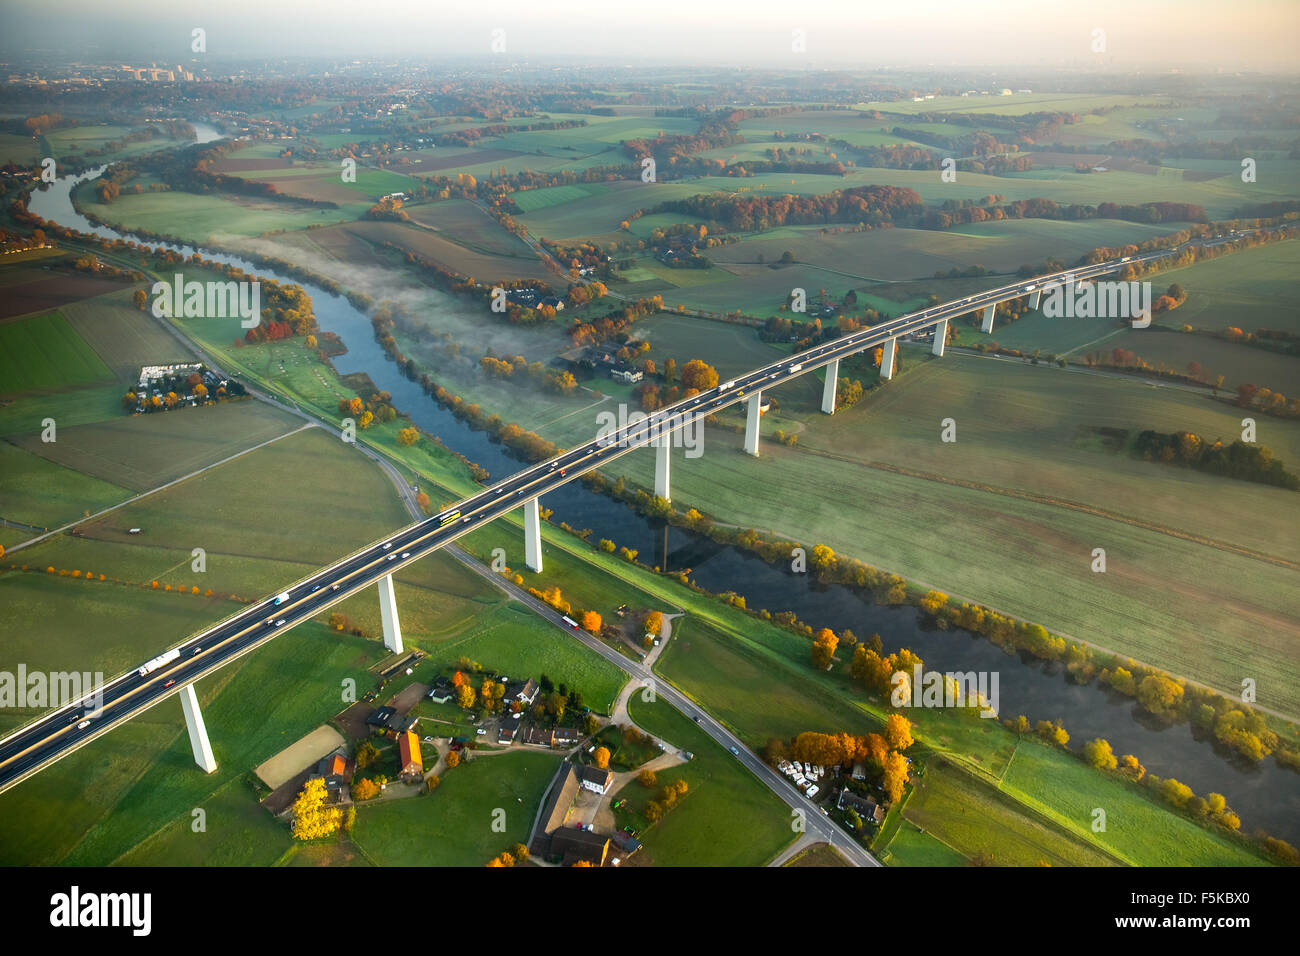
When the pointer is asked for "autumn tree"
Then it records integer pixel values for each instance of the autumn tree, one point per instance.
(591, 622)
(365, 789)
(367, 754)
(933, 602)
(654, 623)
(312, 820)
(823, 649)
(647, 779)
(453, 759)
(895, 776)
(465, 696)
(1160, 695)
(898, 732)
(141, 299)
(408, 436)
(601, 758)
(1099, 754)
(698, 375)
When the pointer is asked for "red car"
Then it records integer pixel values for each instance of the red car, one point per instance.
(170, 682)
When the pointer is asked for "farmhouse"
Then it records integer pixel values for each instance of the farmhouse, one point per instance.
(559, 801)
(408, 755)
(595, 779)
(522, 691)
(572, 845)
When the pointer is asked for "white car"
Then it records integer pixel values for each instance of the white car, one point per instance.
(83, 725)
(406, 554)
(387, 545)
(480, 732)
(280, 623)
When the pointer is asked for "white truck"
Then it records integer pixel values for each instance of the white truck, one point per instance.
(159, 661)
(280, 598)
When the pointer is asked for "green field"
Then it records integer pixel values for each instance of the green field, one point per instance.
(45, 352)
(19, 150)
(738, 668)
(1188, 607)
(512, 640)
(911, 846)
(977, 821)
(453, 826)
(144, 451)
(39, 492)
(209, 217)
(124, 337)
(727, 818)
(1137, 829)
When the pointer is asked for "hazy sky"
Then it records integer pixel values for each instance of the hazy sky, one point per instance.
(1139, 34)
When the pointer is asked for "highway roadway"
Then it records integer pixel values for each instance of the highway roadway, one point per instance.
(55, 734)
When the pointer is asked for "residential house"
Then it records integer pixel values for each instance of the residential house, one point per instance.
(566, 736)
(522, 691)
(537, 736)
(865, 807)
(595, 779)
(505, 734)
(379, 718)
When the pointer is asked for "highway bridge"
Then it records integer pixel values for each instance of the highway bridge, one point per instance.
(57, 733)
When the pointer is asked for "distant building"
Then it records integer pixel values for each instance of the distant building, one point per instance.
(626, 376)
(153, 373)
(505, 734)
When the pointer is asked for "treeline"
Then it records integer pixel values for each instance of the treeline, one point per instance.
(1241, 460)
(869, 204)
(902, 206)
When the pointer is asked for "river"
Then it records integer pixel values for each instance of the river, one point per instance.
(1264, 795)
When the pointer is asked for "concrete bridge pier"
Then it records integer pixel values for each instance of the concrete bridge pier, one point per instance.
(940, 335)
(662, 451)
(751, 423)
(1035, 297)
(888, 351)
(388, 614)
(987, 324)
(830, 387)
(198, 732)
(532, 536)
